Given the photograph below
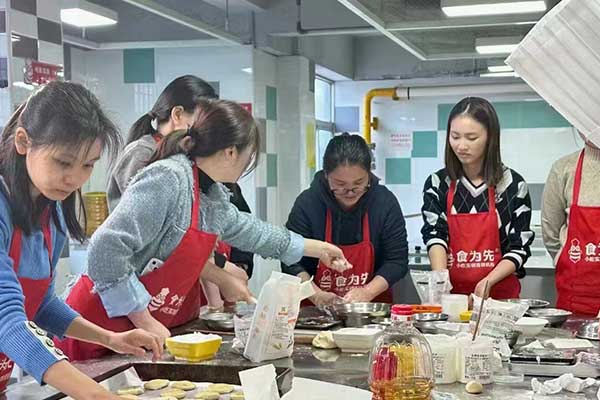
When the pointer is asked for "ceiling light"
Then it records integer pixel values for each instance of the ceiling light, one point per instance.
(84, 14)
(499, 74)
(500, 68)
(498, 45)
(470, 8)
(247, 70)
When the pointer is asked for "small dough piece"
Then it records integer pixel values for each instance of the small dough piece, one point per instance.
(167, 398)
(324, 340)
(129, 397)
(237, 396)
(473, 387)
(134, 390)
(156, 384)
(173, 392)
(221, 388)
(183, 385)
(208, 395)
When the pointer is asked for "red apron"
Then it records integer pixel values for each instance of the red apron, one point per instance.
(174, 287)
(34, 290)
(360, 255)
(475, 249)
(578, 266)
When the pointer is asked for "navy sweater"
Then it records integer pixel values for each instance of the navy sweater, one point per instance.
(386, 224)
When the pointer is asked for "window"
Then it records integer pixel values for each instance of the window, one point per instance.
(324, 117)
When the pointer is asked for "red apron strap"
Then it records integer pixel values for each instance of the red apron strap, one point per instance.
(17, 240)
(15, 248)
(577, 182)
(196, 201)
(450, 197)
(328, 227)
(492, 200)
(366, 229)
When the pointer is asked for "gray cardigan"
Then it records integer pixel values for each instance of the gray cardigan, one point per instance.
(149, 222)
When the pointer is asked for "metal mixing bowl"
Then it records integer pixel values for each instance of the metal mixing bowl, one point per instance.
(512, 337)
(430, 317)
(555, 316)
(589, 331)
(373, 310)
(218, 321)
(531, 303)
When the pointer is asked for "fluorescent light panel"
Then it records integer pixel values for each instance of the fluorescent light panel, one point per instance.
(500, 68)
(247, 70)
(499, 74)
(83, 14)
(470, 8)
(84, 19)
(496, 45)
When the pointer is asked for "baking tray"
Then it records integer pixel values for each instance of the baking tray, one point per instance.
(317, 323)
(194, 373)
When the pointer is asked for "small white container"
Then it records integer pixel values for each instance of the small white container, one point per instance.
(530, 326)
(356, 340)
(454, 305)
(475, 360)
(443, 351)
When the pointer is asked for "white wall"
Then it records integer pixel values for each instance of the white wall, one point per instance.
(102, 72)
(530, 151)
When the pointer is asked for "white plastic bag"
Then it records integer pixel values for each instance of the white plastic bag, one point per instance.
(498, 319)
(431, 285)
(271, 333)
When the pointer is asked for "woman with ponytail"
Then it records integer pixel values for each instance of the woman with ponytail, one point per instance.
(174, 110)
(49, 148)
(175, 210)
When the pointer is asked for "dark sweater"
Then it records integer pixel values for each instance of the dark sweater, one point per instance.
(513, 206)
(386, 224)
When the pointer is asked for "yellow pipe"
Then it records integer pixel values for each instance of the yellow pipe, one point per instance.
(367, 122)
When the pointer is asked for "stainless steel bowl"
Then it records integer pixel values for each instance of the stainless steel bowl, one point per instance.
(555, 316)
(218, 321)
(383, 321)
(531, 303)
(512, 337)
(430, 317)
(427, 326)
(374, 326)
(373, 310)
(589, 331)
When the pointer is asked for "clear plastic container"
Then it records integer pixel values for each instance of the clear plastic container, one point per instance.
(401, 361)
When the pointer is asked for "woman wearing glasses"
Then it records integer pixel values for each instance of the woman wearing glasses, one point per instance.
(346, 206)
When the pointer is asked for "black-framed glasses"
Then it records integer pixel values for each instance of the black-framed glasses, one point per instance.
(354, 190)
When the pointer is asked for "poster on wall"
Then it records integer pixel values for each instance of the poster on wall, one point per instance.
(40, 73)
(247, 107)
(401, 141)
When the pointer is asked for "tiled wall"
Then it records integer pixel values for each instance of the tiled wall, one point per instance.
(36, 33)
(138, 76)
(284, 106)
(411, 136)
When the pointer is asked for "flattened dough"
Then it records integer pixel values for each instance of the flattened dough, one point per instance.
(156, 384)
(183, 385)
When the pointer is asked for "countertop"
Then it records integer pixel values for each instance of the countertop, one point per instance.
(306, 362)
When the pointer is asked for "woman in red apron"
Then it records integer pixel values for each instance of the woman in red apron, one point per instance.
(477, 211)
(573, 238)
(49, 148)
(345, 205)
(175, 210)
(175, 109)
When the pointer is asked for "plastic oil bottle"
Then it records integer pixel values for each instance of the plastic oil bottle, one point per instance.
(401, 366)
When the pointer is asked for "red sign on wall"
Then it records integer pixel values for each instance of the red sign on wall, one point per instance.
(247, 107)
(40, 73)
